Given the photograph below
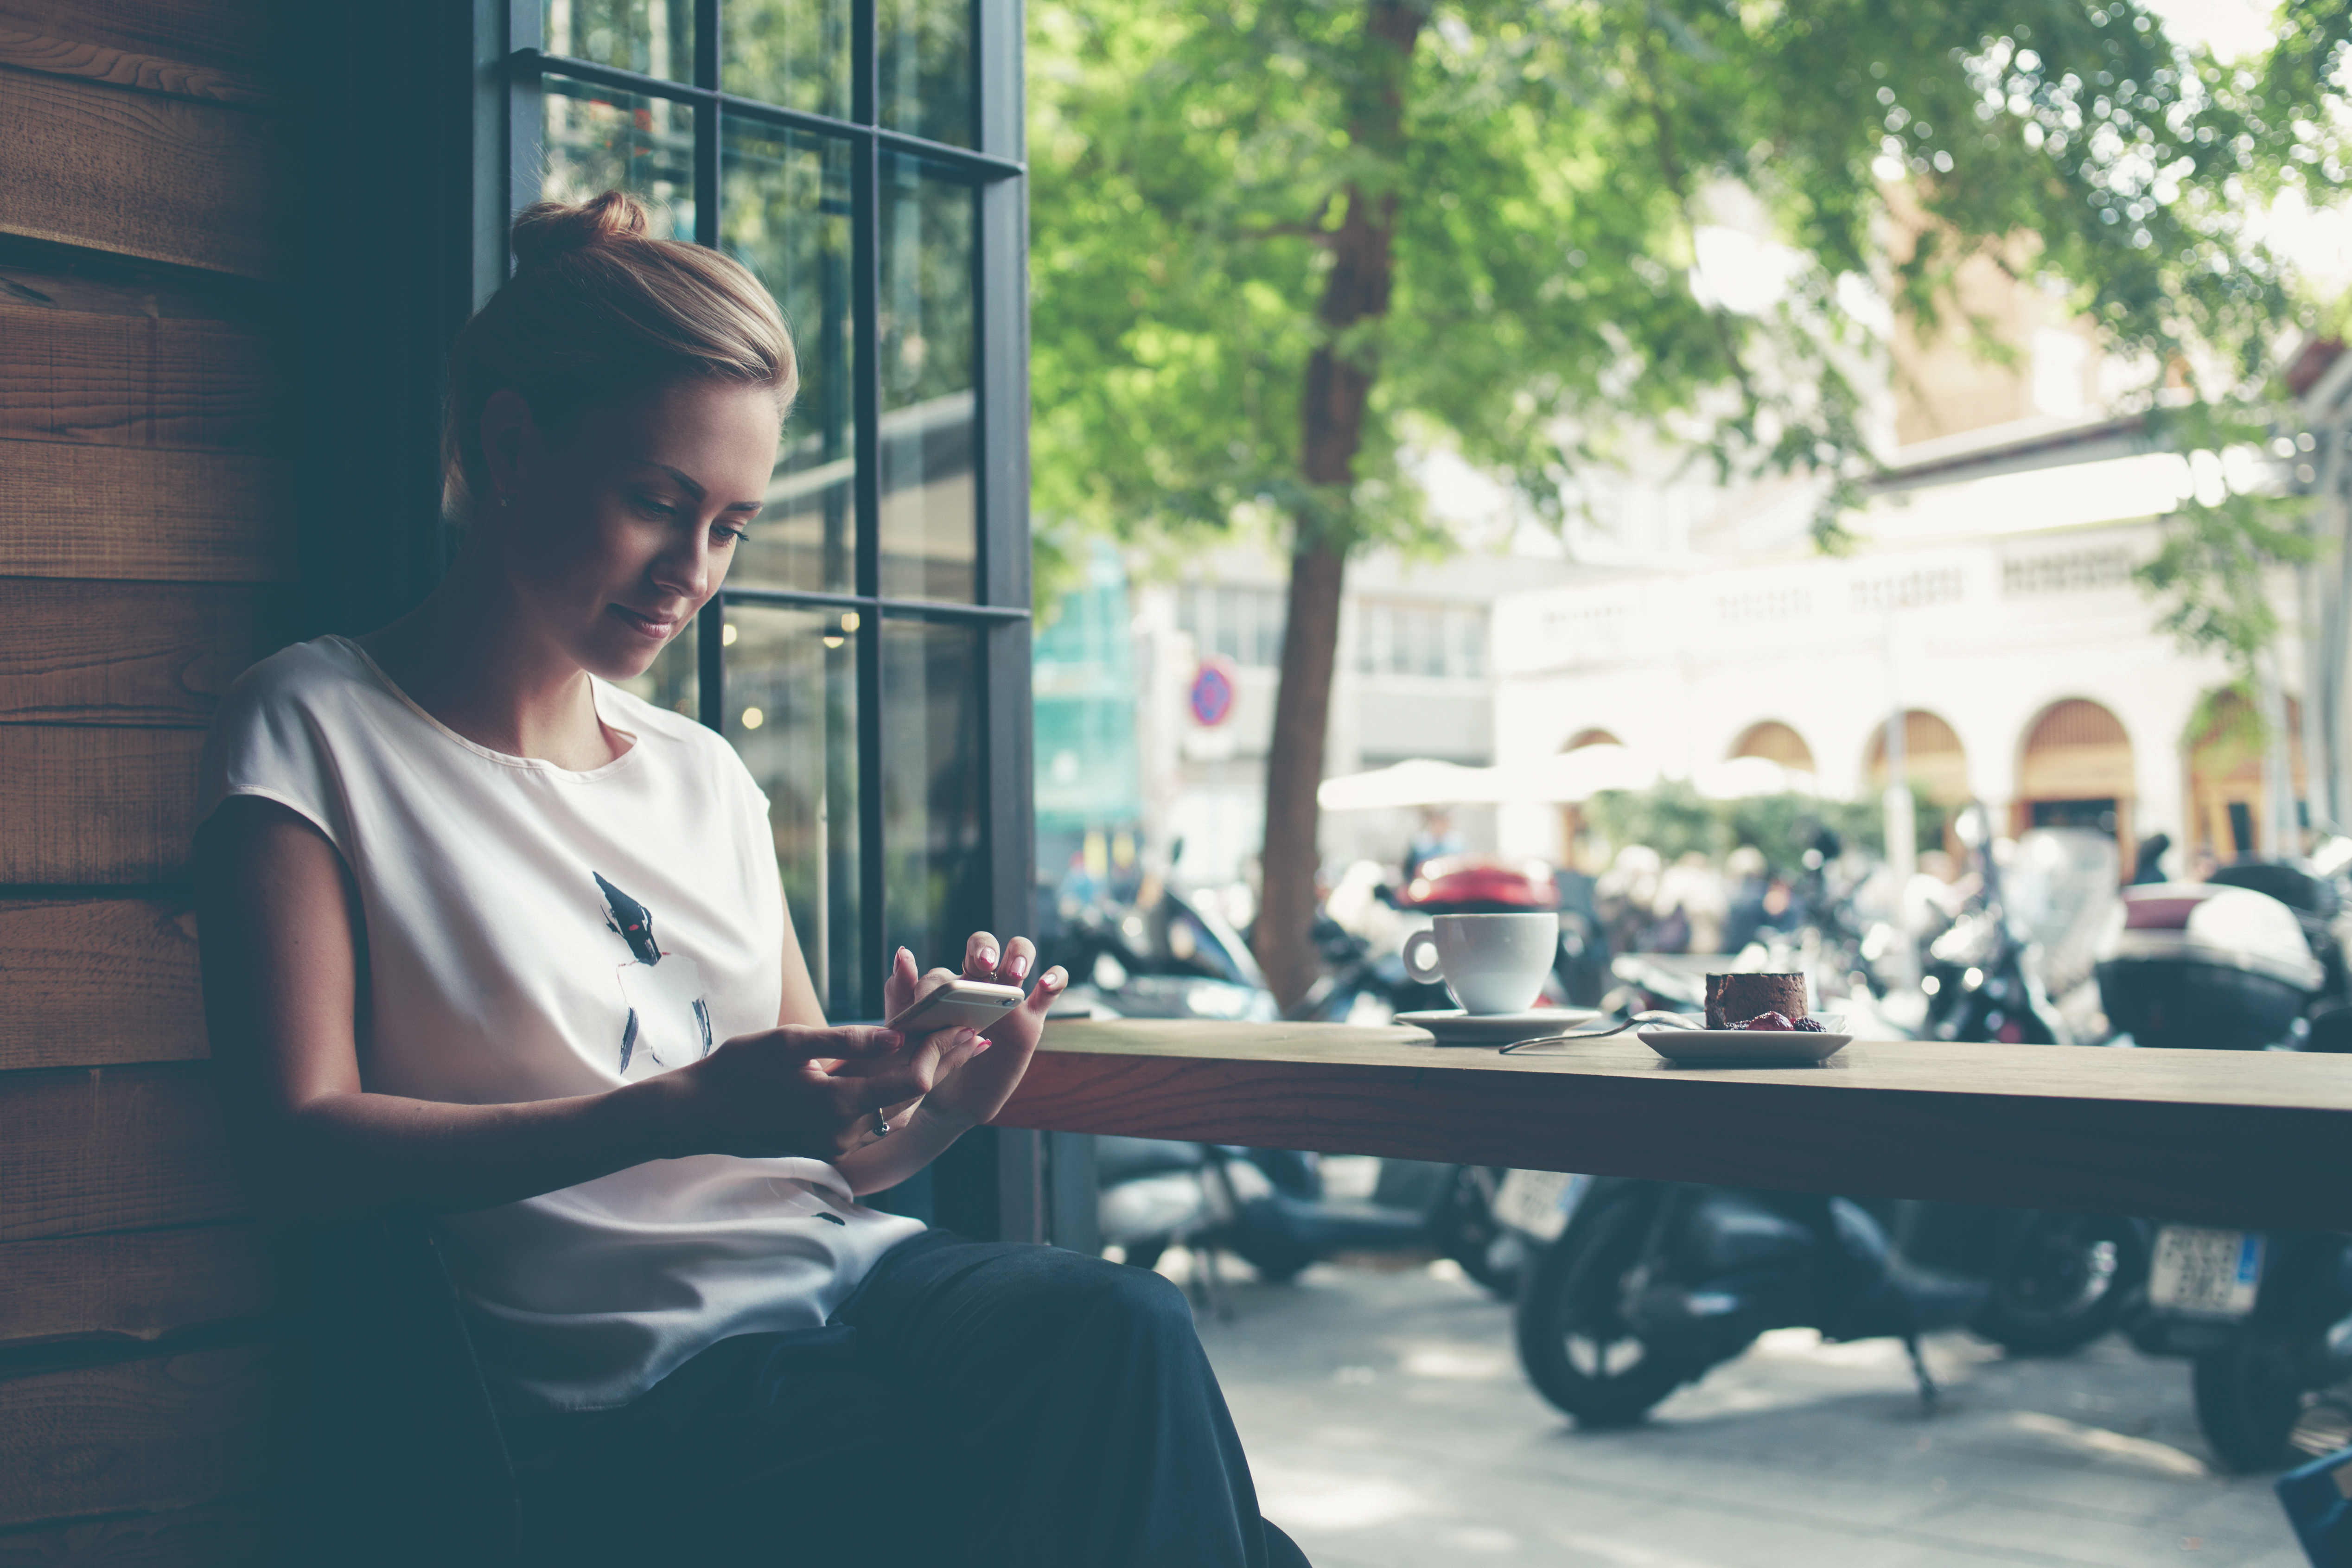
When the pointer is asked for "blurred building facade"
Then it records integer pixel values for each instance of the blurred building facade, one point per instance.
(1990, 601)
(1415, 677)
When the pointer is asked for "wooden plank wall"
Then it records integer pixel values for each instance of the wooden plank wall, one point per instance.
(146, 540)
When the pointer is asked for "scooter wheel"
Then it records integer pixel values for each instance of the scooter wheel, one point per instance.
(2068, 1284)
(2248, 1400)
(1468, 1228)
(1574, 1341)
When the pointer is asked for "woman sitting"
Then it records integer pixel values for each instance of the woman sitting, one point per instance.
(488, 939)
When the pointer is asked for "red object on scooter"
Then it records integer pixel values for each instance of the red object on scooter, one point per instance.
(1480, 883)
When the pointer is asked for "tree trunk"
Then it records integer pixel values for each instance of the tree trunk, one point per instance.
(1338, 385)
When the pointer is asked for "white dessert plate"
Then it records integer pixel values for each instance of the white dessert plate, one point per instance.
(1749, 1048)
(1453, 1026)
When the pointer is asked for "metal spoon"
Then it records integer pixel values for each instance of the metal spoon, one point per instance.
(1653, 1019)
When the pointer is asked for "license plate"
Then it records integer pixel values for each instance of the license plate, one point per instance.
(2216, 1273)
(1537, 1202)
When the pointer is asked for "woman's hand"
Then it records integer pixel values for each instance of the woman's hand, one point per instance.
(973, 1086)
(797, 1091)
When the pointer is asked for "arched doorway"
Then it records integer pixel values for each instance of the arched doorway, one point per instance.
(1775, 742)
(1932, 758)
(2226, 819)
(2075, 770)
(1937, 766)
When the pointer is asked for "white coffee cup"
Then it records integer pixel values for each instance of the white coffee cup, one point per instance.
(1492, 963)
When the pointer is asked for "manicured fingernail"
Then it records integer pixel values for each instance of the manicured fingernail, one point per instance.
(965, 1038)
(890, 1040)
(1053, 979)
(988, 957)
(1020, 966)
(981, 1049)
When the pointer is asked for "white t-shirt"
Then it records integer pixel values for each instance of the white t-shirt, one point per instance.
(533, 933)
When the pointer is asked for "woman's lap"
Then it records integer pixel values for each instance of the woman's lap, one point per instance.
(973, 1403)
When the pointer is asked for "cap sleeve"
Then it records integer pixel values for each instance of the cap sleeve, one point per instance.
(268, 740)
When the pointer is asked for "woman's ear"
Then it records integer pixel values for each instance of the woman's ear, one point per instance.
(509, 440)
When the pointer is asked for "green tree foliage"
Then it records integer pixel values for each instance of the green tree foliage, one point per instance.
(1485, 212)
(1674, 819)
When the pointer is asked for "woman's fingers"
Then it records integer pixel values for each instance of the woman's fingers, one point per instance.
(1020, 953)
(899, 987)
(979, 950)
(1049, 986)
(911, 1080)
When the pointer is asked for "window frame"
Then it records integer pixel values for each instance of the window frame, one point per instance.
(1000, 609)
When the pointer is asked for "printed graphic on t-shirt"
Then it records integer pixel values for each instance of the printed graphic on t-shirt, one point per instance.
(668, 1015)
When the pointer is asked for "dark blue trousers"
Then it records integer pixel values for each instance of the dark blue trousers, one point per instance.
(973, 1404)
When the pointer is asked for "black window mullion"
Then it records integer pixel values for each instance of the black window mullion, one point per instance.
(537, 59)
(896, 609)
(983, 165)
(706, 44)
(710, 625)
(526, 128)
(865, 382)
(996, 63)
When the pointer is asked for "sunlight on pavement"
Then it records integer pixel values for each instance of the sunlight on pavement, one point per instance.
(1462, 1363)
(2098, 1440)
(1628, 1554)
(1314, 1500)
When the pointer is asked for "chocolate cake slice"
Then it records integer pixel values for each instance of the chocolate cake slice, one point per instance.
(1733, 999)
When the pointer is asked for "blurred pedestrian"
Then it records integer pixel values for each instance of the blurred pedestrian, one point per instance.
(1435, 836)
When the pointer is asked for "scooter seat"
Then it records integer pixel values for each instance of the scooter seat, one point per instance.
(1120, 1159)
(1910, 1299)
(1729, 1231)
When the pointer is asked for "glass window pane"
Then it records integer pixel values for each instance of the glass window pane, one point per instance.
(597, 140)
(785, 214)
(928, 351)
(651, 38)
(934, 843)
(792, 713)
(923, 49)
(792, 52)
(674, 680)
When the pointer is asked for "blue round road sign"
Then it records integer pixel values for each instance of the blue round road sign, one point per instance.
(1213, 692)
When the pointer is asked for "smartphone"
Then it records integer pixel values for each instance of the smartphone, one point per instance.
(958, 1005)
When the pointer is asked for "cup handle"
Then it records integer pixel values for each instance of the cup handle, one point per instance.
(1421, 958)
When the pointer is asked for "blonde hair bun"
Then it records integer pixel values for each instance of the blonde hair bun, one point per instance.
(599, 307)
(546, 230)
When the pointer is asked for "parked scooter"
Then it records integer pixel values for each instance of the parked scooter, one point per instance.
(1272, 1207)
(1168, 955)
(1649, 1284)
(2250, 960)
(2264, 1319)
(1979, 983)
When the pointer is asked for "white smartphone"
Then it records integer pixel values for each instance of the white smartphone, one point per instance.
(958, 1005)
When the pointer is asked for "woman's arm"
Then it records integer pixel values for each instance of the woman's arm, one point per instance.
(282, 935)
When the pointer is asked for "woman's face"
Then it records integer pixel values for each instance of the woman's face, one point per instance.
(619, 532)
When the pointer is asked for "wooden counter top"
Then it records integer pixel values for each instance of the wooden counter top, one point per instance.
(2257, 1139)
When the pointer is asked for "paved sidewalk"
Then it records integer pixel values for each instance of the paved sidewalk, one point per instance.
(1389, 1428)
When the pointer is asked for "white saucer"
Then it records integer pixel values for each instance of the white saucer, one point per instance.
(1453, 1026)
(1744, 1047)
